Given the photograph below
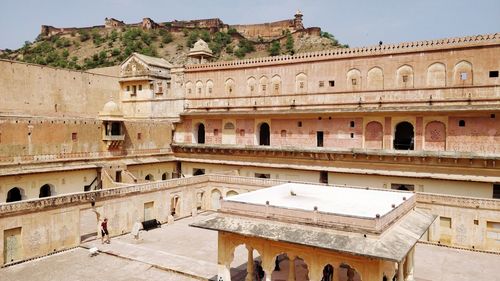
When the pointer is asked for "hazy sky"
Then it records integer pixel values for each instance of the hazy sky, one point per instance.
(355, 22)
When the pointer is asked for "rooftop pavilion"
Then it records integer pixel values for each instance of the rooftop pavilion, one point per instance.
(375, 230)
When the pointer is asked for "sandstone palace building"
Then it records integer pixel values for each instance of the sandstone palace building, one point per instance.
(152, 140)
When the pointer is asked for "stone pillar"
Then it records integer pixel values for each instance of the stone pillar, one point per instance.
(419, 129)
(250, 269)
(387, 141)
(410, 265)
(336, 272)
(291, 269)
(223, 264)
(400, 271)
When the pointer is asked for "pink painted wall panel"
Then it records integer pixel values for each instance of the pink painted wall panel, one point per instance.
(435, 136)
(247, 136)
(210, 126)
(480, 134)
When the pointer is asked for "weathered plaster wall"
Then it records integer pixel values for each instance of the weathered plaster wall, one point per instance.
(62, 182)
(40, 90)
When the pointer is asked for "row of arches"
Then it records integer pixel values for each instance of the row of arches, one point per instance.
(404, 78)
(404, 135)
(246, 263)
(17, 194)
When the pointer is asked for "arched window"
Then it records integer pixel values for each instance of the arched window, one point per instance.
(14, 194)
(45, 191)
(353, 80)
(149, 177)
(251, 85)
(436, 75)
(199, 87)
(215, 197)
(264, 134)
(327, 273)
(462, 73)
(189, 88)
(200, 133)
(175, 205)
(263, 84)
(164, 176)
(301, 83)
(229, 87)
(404, 77)
(375, 79)
(198, 172)
(231, 193)
(404, 136)
(276, 84)
(210, 87)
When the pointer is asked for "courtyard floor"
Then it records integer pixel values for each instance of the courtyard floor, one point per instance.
(179, 252)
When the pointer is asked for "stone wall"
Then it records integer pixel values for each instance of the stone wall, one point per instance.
(40, 90)
(57, 223)
(38, 136)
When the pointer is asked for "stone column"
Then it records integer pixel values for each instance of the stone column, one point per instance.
(410, 265)
(250, 269)
(291, 269)
(223, 265)
(400, 271)
(387, 141)
(336, 272)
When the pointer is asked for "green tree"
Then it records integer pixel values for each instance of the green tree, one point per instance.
(275, 48)
(289, 45)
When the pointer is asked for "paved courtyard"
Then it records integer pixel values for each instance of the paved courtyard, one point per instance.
(182, 253)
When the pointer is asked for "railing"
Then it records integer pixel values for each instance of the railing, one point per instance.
(80, 155)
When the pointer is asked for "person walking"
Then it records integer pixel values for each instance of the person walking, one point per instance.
(104, 231)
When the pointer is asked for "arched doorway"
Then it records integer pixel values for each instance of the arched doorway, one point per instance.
(404, 136)
(264, 134)
(45, 191)
(327, 273)
(175, 204)
(348, 273)
(215, 199)
(164, 176)
(14, 194)
(288, 267)
(200, 133)
(149, 177)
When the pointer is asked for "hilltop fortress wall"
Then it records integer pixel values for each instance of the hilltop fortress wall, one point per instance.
(29, 89)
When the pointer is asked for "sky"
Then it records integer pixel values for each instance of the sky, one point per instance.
(353, 22)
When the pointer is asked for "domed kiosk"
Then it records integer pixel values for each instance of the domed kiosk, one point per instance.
(112, 118)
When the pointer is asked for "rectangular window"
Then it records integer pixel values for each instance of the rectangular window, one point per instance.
(134, 90)
(299, 124)
(128, 88)
(301, 85)
(494, 74)
(262, 176)
(199, 90)
(496, 191)
(168, 85)
(493, 230)
(321, 84)
(403, 186)
(139, 136)
(189, 91)
(331, 83)
(263, 88)
(463, 76)
(476, 222)
(319, 139)
(354, 81)
(151, 86)
(351, 124)
(118, 176)
(140, 87)
(445, 222)
(74, 136)
(209, 90)
(352, 135)
(323, 177)
(242, 133)
(251, 88)
(216, 132)
(405, 78)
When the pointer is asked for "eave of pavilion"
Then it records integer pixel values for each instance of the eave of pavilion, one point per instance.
(461, 166)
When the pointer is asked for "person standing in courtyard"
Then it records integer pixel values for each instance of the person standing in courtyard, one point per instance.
(104, 231)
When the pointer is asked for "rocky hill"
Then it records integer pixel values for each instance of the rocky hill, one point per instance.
(111, 43)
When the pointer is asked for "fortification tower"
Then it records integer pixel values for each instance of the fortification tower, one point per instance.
(298, 20)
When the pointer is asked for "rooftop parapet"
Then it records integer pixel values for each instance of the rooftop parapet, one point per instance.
(404, 47)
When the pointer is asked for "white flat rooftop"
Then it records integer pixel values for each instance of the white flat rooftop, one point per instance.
(328, 199)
